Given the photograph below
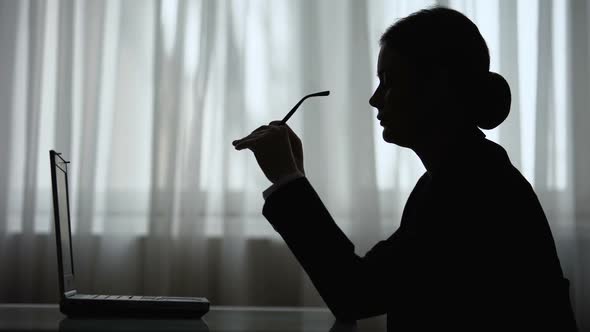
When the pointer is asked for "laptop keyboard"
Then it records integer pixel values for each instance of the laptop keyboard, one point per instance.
(136, 298)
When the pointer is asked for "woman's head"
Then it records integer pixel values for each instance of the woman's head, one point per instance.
(434, 77)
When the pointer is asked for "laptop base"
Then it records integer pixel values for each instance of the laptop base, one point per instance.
(86, 308)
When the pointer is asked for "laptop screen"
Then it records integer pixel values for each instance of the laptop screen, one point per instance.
(62, 222)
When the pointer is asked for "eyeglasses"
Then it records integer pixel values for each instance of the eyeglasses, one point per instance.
(317, 94)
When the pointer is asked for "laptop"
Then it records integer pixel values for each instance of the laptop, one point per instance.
(74, 304)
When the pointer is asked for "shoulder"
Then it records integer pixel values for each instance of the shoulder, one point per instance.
(497, 175)
(488, 185)
(488, 170)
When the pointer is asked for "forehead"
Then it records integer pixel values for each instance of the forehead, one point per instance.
(390, 60)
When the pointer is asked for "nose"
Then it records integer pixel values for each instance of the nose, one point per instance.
(373, 101)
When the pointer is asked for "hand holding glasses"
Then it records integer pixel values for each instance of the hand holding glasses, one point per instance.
(277, 148)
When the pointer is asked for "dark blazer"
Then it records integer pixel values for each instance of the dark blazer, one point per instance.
(474, 251)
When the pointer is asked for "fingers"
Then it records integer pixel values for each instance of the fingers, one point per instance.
(259, 129)
(259, 132)
(251, 136)
(292, 136)
(295, 142)
(248, 141)
(256, 133)
(246, 144)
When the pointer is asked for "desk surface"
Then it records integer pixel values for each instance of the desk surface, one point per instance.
(40, 317)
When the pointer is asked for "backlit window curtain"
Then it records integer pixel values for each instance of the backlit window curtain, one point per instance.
(145, 97)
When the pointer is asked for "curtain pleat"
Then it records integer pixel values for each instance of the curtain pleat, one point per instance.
(578, 70)
(232, 122)
(64, 77)
(27, 247)
(92, 89)
(9, 14)
(93, 32)
(167, 93)
(544, 96)
(509, 131)
(9, 25)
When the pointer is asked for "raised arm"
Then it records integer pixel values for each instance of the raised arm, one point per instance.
(353, 287)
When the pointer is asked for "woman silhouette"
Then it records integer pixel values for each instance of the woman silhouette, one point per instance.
(474, 250)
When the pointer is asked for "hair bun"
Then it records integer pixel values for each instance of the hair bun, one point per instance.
(496, 99)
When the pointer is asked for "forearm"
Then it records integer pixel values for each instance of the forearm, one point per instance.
(342, 278)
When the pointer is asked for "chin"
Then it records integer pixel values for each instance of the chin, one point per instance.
(390, 137)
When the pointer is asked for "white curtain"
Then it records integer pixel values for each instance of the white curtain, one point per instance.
(145, 97)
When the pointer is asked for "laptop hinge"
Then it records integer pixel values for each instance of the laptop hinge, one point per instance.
(70, 293)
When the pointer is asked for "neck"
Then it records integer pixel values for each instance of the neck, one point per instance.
(434, 149)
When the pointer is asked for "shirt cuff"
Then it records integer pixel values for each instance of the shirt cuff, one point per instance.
(281, 182)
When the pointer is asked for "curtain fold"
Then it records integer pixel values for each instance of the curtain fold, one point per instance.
(9, 19)
(145, 98)
(232, 274)
(83, 183)
(544, 103)
(509, 131)
(26, 250)
(578, 87)
(166, 109)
